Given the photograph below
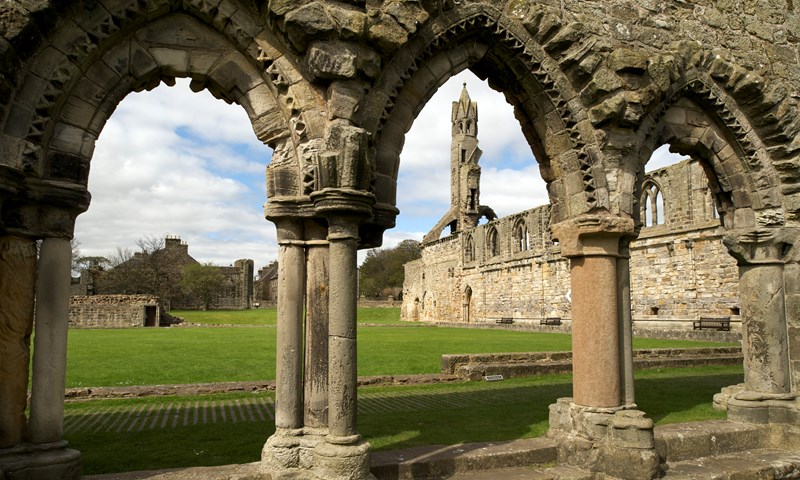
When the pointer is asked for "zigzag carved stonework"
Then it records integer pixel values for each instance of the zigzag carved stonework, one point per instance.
(510, 41)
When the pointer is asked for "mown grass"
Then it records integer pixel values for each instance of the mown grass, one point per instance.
(269, 316)
(466, 412)
(200, 355)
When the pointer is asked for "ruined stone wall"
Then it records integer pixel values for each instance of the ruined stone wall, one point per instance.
(113, 311)
(237, 290)
(511, 268)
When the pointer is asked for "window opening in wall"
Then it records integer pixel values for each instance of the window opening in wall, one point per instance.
(491, 242)
(520, 236)
(654, 310)
(735, 311)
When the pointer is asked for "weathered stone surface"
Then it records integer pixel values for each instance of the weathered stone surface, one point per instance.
(342, 60)
(17, 281)
(716, 80)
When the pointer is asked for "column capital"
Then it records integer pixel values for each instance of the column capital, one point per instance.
(763, 246)
(596, 234)
(289, 230)
(341, 202)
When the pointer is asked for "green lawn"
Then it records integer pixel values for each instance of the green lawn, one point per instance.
(395, 417)
(269, 316)
(157, 356)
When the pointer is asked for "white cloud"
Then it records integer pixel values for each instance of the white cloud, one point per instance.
(662, 157)
(174, 162)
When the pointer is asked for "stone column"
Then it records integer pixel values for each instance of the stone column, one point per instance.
(599, 429)
(50, 342)
(767, 394)
(17, 287)
(291, 293)
(44, 454)
(625, 320)
(342, 376)
(282, 451)
(344, 455)
(592, 245)
(317, 287)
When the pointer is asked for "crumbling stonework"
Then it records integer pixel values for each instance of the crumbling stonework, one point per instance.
(114, 311)
(332, 88)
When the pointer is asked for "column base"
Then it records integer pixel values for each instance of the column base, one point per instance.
(748, 406)
(618, 441)
(51, 461)
(343, 458)
(289, 453)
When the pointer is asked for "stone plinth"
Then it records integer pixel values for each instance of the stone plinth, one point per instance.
(617, 441)
(52, 461)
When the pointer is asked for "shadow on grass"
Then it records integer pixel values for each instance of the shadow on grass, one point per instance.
(403, 417)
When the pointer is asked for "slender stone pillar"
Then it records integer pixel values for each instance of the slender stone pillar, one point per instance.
(591, 242)
(342, 376)
(282, 453)
(599, 429)
(344, 455)
(625, 321)
(595, 331)
(50, 342)
(291, 292)
(767, 395)
(759, 254)
(317, 287)
(17, 290)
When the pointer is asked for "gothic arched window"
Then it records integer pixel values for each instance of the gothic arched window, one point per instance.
(520, 236)
(652, 204)
(469, 249)
(491, 242)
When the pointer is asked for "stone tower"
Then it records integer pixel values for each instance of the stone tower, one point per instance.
(465, 173)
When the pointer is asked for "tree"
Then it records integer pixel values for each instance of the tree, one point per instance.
(203, 281)
(382, 272)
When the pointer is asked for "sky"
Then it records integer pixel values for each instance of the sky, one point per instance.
(173, 162)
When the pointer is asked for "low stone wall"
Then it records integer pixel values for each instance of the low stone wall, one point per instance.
(114, 311)
(477, 366)
(378, 303)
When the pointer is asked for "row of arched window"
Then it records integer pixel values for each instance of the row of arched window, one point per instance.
(520, 241)
(653, 211)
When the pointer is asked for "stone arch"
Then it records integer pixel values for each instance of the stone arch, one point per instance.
(515, 62)
(492, 242)
(468, 307)
(95, 56)
(469, 249)
(701, 119)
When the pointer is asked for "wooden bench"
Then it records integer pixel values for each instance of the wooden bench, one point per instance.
(550, 321)
(506, 320)
(722, 324)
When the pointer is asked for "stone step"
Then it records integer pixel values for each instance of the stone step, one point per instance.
(436, 462)
(526, 473)
(761, 464)
(685, 441)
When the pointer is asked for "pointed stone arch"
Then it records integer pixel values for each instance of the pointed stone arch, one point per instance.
(95, 56)
(516, 63)
(699, 119)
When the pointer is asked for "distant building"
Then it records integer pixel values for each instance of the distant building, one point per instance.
(266, 285)
(160, 273)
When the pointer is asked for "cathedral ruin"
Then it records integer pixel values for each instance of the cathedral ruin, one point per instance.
(511, 269)
(333, 87)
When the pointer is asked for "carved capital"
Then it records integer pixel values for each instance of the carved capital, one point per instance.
(592, 234)
(763, 246)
